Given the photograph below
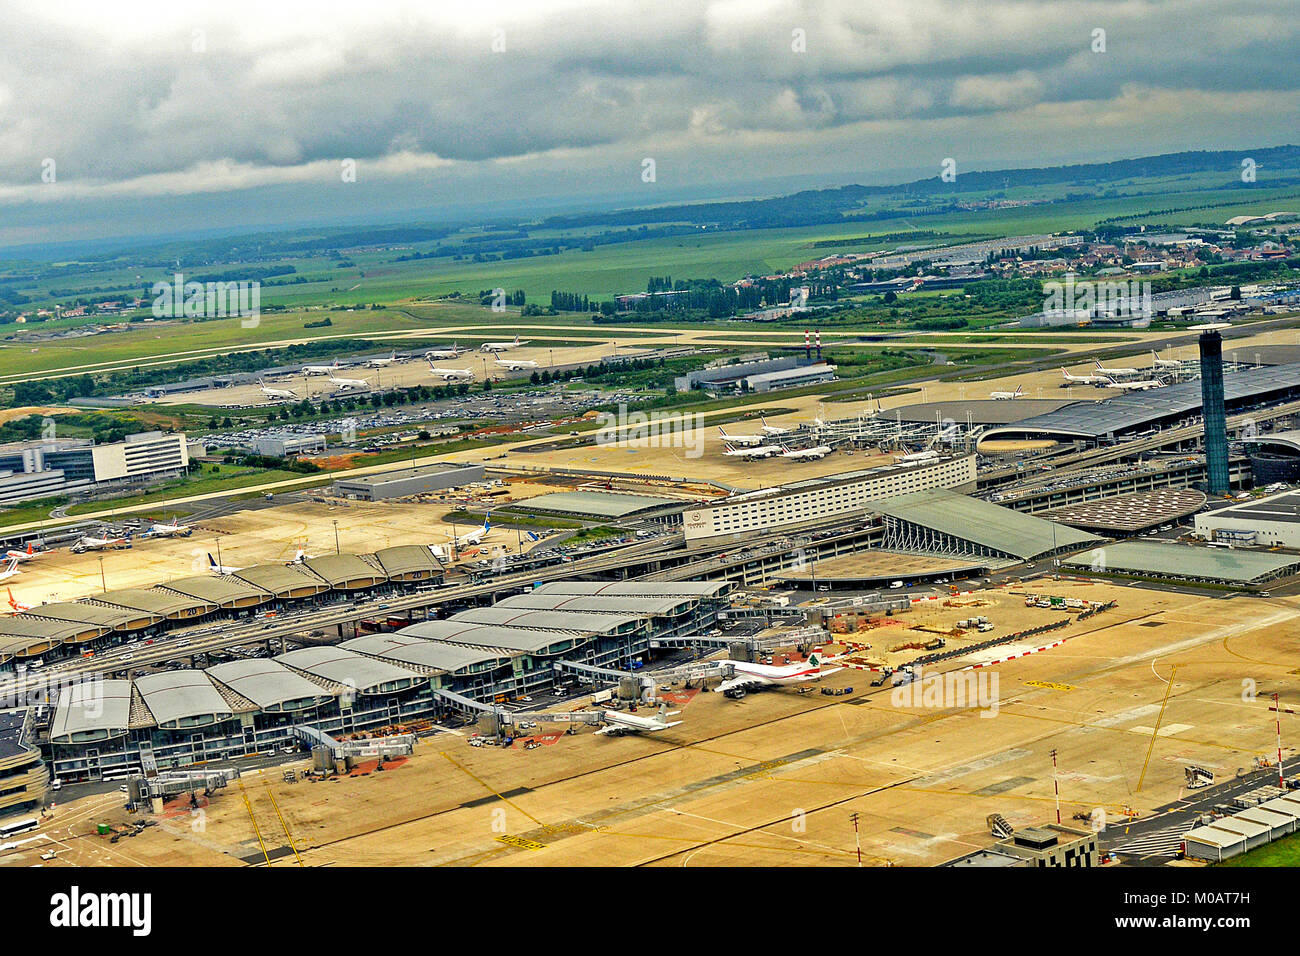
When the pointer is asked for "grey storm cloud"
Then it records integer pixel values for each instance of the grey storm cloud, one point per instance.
(131, 107)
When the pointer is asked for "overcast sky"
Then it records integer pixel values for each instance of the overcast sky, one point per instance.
(163, 116)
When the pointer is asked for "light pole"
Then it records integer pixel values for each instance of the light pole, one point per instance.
(336, 536)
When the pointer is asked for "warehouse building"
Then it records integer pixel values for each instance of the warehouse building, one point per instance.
(1272, 522)
(613, 505)
(405, 482)
(789, 378)
(816, 499)
(1167, 561)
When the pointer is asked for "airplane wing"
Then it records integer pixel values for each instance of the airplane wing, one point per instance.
(745, 682)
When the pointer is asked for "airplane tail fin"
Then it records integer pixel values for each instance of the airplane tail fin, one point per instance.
(212, 562)
(1019, 389)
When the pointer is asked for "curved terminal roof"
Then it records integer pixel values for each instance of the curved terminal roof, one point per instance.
(106, 618)
(269, 685)
(1285, 439)
(183, 698)
(601, 604)
(159, 603)
(579, 623)
(346, 571)
(224, 590)
(283, 580)
(1125, 413)
(506, 639)
(366, 674)
(408, 562)
(93, 710)
(433, 656)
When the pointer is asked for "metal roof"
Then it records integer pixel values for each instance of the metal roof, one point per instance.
(1166, 559)
(88, 615)
(27, 626)
(340, 569)
(407, 559)
(152, 601)
(366, 674)
(184, 697)
(225, 590)
(601, 504)
(282, 579)
(979, 412)
(989, 525)
(1284, 507)
(527, 640)
(600, 604)
(1288, 439)
(1127, 412)
(101, 707)
(638, 588)
(588, 623)
(406, 648)
(268, 684)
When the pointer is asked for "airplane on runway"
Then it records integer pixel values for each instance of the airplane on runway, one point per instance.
(515, 365)
(760, 451)
(275, 392)
(1083, 379)
(169, 530)
(9, 570)
(18, 606)
(757, 676)
(742, 440)
(1115, 371)
(349, 382)
(617, 723)
(1006, 396)
(772, 429)
(810, 454)
(27, 555)
(1158, 362)
(91, 543)
(321, 369)
(454, 352)
(1142, 386)
(453, 374)
(495, 347)
(381, 362)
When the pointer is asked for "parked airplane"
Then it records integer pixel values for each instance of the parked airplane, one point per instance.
(381, 363)
(91, 543)
(617, 723)
(1158, 362)
(741, 440)
(321, 369)
(1083, 379)
(465, 541)
(759, 451)
(1142, 386)
(220, 568)
(349, 382)
(453, 374)
(1115, 371)
(17, 606)
(810, 454)
(501, 346)
(27, 555)
(1006, 396)
(275, 392)
(9, 570)
(454, 352)
(772, 429)
(169, 530)
(515, 365)
(757, 676)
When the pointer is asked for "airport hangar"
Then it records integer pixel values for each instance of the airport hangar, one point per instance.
(1169, 561)
(185, 716)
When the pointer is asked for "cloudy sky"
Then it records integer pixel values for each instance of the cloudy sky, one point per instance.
(159, 117)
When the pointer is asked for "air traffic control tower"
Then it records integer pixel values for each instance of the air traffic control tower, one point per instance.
(1216, 424)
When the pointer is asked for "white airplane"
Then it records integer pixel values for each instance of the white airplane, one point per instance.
(1114, 371)
(17, 606)
(918, 456)
(760, 451)
(757, 676)
(9, 570)
(381, 363)
(741, 440)
(453, 374)
(802, 454)
(1083, 379)
(91, 543)
(465, 541)
(220, 568)
(515, 365)
(618, 723)
(321, 369)
(454, 352)
(1142, 386)
(27, 555)
(500, 346)
(772, 429)
(169, 530)
(349, 382)
(275, 392)
(1158, 362)
(1006, 396)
